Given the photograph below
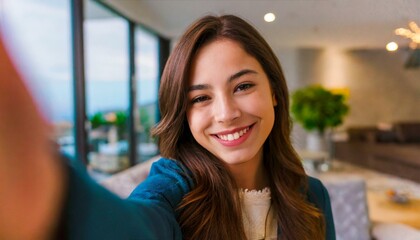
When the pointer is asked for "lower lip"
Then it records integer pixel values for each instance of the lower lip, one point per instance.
(235, 142)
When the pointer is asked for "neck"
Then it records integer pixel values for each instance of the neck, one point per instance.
(251, 174)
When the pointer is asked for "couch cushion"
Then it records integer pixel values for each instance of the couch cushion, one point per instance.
(123, 183)
(361, 134)
(407, 132)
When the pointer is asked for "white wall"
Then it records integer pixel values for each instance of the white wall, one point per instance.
(380, 89)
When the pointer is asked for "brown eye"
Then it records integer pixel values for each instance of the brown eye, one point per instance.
(199, 99)
(243, 87)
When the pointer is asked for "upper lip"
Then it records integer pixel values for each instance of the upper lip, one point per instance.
(232, 131)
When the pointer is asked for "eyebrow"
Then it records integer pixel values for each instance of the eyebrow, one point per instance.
(240, 74)
(230, 79)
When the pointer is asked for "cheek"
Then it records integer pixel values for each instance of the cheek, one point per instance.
(260, 105)
(195, 121)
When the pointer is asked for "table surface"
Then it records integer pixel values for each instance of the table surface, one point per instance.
(381, 209)
(312, 155)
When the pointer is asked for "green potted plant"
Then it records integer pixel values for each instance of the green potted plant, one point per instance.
(116, 119)
(318, 109)
(109, 153)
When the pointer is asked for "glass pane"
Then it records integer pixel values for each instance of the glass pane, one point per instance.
(40, 34)
(147, 79)
(107, 87)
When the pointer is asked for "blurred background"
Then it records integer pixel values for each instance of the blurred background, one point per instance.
(95, 65)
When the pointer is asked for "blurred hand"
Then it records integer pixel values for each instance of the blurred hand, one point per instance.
(31, 177)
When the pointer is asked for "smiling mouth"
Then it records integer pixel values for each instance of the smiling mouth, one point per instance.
(233, 136)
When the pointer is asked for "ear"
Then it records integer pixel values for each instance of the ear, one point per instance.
(274, 100)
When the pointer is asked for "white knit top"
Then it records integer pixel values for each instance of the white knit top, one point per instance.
(257, 215)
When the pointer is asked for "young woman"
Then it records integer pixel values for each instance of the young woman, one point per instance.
(225, 116)
(229, 170)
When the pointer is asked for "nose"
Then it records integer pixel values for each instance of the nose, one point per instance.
(226, 110)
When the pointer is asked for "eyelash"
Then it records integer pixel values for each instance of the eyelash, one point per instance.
(241, 87)
(244, 86)
(199, 99)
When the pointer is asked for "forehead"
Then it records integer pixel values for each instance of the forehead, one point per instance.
(221, 58)
(220, 47)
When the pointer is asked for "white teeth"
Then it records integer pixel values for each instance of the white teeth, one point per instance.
(233, 136)
(230, 137)
(236, 135)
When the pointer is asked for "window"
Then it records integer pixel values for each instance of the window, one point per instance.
(107, 87)
(40, 33)
(147, 82)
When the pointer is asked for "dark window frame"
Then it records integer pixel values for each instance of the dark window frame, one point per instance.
(81, 122)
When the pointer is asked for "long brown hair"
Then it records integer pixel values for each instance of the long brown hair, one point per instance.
(212, 209)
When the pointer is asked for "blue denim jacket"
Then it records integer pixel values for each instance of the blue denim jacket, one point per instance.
(92, 212)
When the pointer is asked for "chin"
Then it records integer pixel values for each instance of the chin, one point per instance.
(237, 158)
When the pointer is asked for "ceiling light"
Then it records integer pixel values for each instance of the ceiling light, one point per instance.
(391, 46)
(413, 33)
(269, 17)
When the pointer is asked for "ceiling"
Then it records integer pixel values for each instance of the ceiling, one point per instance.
(348, 24)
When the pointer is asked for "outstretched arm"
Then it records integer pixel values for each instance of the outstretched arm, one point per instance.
(43, 198)
(32, 180)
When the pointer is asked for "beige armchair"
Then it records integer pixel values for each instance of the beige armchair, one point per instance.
(123, 183)
(348, 203)
(351, 215)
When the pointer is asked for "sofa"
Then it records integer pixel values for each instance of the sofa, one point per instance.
(124, 182)
(394, 149)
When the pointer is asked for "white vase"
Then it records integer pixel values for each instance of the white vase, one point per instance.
(319, 145)
(316, 142)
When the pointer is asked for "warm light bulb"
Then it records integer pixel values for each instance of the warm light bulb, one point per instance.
(269, 17)
(414, 27)
(392, 46)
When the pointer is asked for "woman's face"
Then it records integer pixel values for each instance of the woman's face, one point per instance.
(231, 105)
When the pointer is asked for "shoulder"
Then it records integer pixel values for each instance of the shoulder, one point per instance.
(171, 168)
(318, 195)
(168, 181)
(315, 186)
